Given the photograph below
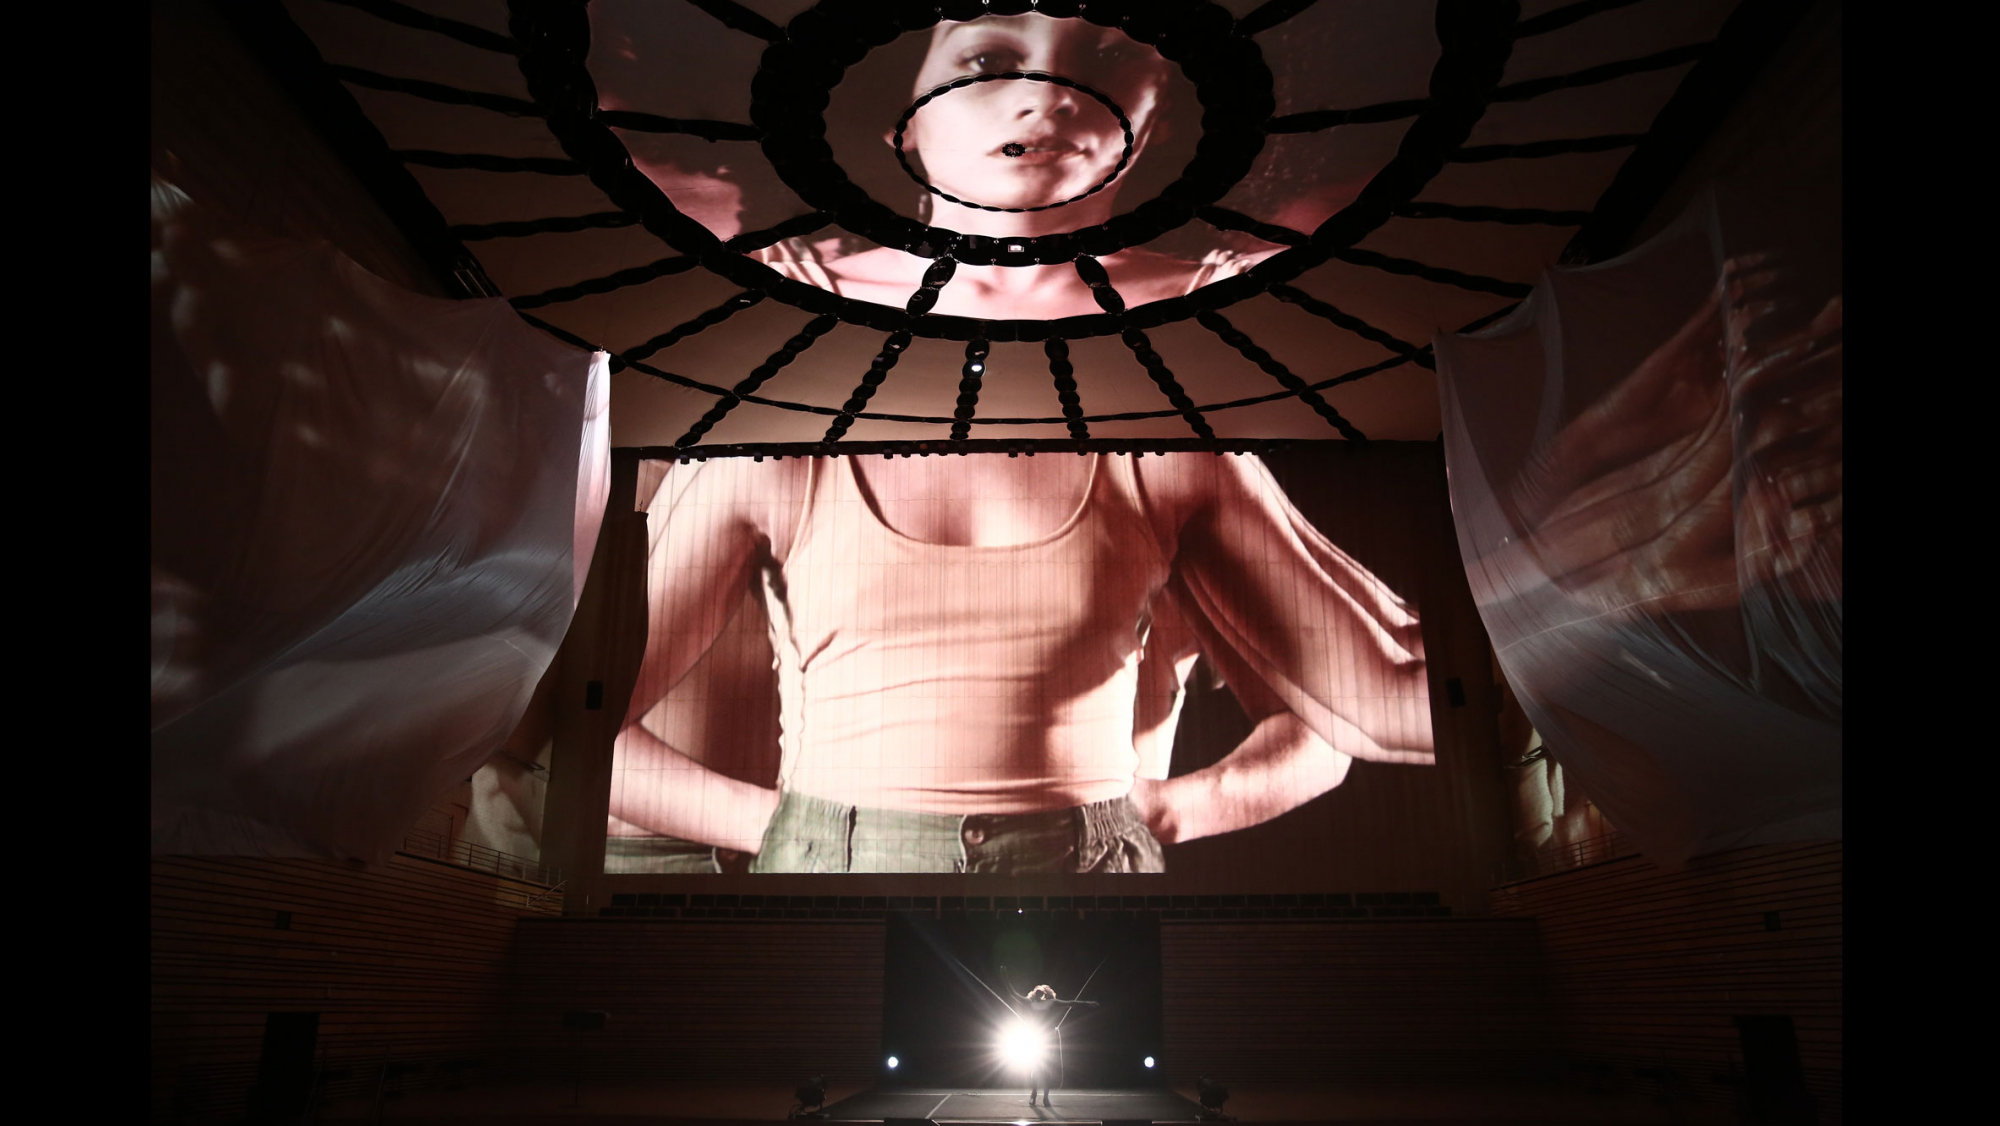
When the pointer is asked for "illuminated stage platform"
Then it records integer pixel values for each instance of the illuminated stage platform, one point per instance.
(1010, 1105)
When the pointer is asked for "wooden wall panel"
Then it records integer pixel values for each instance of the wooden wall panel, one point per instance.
(404, 963)
(754, 1000)
(1245, 1002)
(1648, 967)
(1374, 1001)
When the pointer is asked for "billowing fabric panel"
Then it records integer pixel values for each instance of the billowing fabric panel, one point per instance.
(372, 512)
(1645, 465)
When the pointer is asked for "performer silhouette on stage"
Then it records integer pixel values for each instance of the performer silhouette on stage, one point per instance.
(1039, 1008)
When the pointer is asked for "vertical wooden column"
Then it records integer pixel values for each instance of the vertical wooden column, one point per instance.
(605, 643)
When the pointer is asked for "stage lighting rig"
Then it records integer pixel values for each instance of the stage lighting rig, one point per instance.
(1213, 1095)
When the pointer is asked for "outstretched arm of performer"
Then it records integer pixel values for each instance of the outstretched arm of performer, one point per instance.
(709, 527)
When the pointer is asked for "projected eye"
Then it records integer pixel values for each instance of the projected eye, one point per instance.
(990, 60)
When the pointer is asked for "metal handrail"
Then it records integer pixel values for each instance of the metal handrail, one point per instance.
(465, 854)
(1551, 858)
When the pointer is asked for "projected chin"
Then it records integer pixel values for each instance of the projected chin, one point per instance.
(1022, 1046)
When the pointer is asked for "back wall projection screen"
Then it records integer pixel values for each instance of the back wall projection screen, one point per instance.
(979, 664)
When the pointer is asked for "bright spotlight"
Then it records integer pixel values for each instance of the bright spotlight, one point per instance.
(1149, 1062)
(1021, 1046)
(893, 1061)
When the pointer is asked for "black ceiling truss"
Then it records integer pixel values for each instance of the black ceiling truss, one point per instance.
(1312, 121)
(486, 162)
(435, 91)
(1518, 216)
(617, 279)
(1528, 150)
(559, 224)
(736, 17)
(807, 57)
(1606, 72)
(1564, 16)
(787, 352)
(878, 370)
(1063, 374)
(1219, 325)
(705, 320)
(1270, 14)
(791, 89)
(969, 378)
(470, 34)
(1475, 283)
(1350, 323)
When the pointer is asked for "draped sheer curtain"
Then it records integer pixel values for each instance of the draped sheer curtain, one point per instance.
(372, 512)
(1645, 471)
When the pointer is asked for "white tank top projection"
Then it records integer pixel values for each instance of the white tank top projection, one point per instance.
(958, 679)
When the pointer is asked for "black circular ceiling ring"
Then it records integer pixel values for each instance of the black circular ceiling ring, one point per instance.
(795, 78)
(555, 41)
(1012, 149)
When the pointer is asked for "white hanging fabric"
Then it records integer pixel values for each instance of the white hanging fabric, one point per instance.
(372, 513)
(1645, 465)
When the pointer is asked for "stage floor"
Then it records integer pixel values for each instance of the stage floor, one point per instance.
(1010, 1105)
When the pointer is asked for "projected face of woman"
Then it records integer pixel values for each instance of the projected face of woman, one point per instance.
(1026, 144)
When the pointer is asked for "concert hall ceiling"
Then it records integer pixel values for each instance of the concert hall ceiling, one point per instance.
(1108, 223)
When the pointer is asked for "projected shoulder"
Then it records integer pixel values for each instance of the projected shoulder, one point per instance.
(735, 499)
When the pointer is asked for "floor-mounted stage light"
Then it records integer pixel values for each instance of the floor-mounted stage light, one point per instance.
(1213, 1095)
(811, 1095)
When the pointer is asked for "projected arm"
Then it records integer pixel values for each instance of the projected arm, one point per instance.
(1280, 766)
(1282, 608)
(709, 527)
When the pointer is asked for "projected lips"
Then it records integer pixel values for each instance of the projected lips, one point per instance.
(1061, 152)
